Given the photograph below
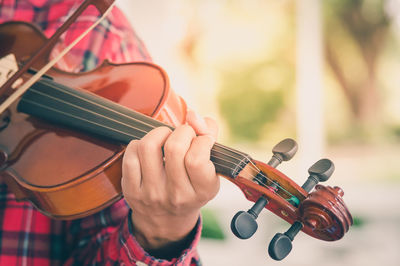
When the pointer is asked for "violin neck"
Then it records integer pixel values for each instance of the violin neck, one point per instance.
(93, 114)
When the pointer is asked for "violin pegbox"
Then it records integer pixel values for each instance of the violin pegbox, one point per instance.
(244, 224)
(321, 214)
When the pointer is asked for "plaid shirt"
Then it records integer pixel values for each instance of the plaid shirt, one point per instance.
(27, 237)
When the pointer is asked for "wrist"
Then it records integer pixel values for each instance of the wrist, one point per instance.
(160, 233)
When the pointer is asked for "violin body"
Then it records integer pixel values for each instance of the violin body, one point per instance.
(65, 173)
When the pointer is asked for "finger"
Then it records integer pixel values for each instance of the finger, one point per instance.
(212, 127)
(201, 170)
(175, 149)
(151, 157)
(197, 123)
(131, 172)
(202, 126)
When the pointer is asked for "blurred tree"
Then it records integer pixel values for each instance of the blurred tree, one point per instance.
(249, 100)
(355, 35)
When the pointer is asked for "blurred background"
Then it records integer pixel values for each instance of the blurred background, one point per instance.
(326, 73)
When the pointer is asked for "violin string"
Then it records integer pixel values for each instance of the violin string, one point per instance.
(252, 165)
(107, 127)
(260, 181)
(130, 126)
(106, 117)
(136, 120)
(151, 126)
(133, 136)
(111, 128)
(263, 175)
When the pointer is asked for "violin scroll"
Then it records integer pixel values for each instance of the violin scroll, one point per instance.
(325, 213)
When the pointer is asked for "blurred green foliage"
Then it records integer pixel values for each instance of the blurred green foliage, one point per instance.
(250, 98)
(211, 226)
(358, 221)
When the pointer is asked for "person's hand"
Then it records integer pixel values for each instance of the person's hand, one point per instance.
(167, 176)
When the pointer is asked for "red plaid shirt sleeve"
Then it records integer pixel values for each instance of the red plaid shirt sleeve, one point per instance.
(98, 243)
(27, 237)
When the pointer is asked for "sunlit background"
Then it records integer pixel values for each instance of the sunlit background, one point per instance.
(326, 73)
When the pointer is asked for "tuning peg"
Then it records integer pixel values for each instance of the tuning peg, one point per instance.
(244, 224)
(319, 172)
(281, 245)
(283, 151)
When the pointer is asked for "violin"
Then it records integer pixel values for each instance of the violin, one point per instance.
(62, 142)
